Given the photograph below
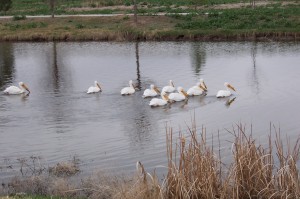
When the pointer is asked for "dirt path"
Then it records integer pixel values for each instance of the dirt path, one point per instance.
(220, 6)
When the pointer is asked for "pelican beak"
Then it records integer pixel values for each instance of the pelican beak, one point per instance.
(99, 86)
(203, 88)
(166, 97)
(24, 86)
(185, 94)
(157, 90)
(172, 84)
(204, 85)
(231, 87)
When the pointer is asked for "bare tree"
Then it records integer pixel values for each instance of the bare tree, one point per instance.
(5, 5)
(252, 3)
(52, 6)
(135, 11)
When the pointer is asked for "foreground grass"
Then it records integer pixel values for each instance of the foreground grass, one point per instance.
(195, 170)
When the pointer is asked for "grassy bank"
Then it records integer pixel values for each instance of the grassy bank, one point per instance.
(266, 22)
(41, 7)
(195, 170)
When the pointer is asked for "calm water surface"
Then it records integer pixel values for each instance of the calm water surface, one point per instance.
(108, 131)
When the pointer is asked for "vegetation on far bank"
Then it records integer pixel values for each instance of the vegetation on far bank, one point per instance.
(263, 23)
(42, 7)
(195, 170)
(268, 21)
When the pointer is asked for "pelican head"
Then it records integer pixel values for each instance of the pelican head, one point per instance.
(22, 85)
(164, 96)
(203, 84)
(171, 83)
(199, 84)
(226, 84)
(156, 89)
(181, 90)
(98, 85)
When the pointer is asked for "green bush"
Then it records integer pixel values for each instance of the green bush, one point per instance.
(19, 17)
(79, 26)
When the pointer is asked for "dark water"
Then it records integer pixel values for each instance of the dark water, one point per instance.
(108, 131)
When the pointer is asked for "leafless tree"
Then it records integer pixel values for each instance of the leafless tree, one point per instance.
(252, 3)
(135, 11)
(52, 6)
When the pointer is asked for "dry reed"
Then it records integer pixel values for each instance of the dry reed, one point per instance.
(194, 171)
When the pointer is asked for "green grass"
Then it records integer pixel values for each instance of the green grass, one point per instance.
(30, 197)
(260, 19)
(41, 7)
(267, 22)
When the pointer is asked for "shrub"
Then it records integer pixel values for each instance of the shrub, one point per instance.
(19, 17)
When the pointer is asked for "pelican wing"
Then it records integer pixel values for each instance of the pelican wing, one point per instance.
(168, 89)
(13, 90)
(176, 97)
(127, 91)
(149, 93)
(223, 93)
(157, 102)
(195, 90)
(93, 89)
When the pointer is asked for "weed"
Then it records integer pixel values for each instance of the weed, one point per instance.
(19, 17)
(79, 26)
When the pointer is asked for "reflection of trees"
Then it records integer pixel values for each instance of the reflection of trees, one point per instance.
(198, 56)
(255, 79)
(138, 119)
(55, 68)
(59, 111)
(138, 65)
(6, 63)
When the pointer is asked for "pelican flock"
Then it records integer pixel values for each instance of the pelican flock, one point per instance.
(199, 89)
(14, 90)
(94, 89)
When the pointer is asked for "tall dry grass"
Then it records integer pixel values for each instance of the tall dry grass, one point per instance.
(194, 170)
(255, 172)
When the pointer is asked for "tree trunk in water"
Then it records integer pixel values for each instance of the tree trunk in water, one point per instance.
(135, 11)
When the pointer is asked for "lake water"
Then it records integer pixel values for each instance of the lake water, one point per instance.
(108, 131)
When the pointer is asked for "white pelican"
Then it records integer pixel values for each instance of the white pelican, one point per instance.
(180, 96)
(170, 88)
(95, 89)
(160, 102)
(225, 93)
(128, 90)
(13, 90)
(152, 92)
(197, 90)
